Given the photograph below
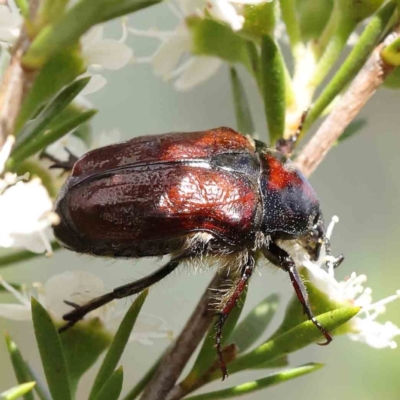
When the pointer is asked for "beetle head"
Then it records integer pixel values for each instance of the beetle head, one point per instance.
(314, 238)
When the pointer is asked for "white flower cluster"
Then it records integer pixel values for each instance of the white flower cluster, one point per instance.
(364, 327)
(178, 43)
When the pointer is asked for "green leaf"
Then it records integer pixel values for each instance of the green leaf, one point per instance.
(255, 323)
(17, 391)
(72, 25)
(358, 9)
(230, 47)
(59, 128)
(24, 255)
(58, 72)
(40, 389)
(353, 128)
(295, 339)
(118, 345)
(259, 384)
(51, 10)
(273, 88)
(112, 388)
(207, 354)
(23, 7)
(82, 347)
(123, 7)
(51, 353)
(343, 29)
(290, 18)
(354, 61)
(313, 17)
(244, 120)
(20, 368)
(277, 363)
(34, 128)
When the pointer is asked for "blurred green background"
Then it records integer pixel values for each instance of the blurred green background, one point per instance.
(358, 181)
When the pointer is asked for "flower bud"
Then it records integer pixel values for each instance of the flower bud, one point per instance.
(358, 10)
(260, 19)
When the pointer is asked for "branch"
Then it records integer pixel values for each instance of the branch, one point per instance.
(15, 84)
(176, 359)
(364, 85)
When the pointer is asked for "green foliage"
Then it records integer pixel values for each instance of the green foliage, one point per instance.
(244, 120)
(35, 133)
(112, 388)
(294, 339)
(58, 72)
(259, 384)
(116, 349)
(273, 88)
(229, 47)
(51, 353)
(255, 323)
(20, 368)
(16, 392)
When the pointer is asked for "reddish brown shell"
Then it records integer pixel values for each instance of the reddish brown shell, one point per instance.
(132, 198)
(158, 148)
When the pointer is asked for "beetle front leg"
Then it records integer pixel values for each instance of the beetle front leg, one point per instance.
(282, 259)
(240, 286)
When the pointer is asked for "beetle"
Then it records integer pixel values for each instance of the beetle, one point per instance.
(209, 193)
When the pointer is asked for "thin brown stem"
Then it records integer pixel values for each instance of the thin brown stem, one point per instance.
(15, 84)
(175, 360)
(365, 84)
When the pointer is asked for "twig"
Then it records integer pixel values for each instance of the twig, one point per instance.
(364, 85)
(15, 84)
(175, 360)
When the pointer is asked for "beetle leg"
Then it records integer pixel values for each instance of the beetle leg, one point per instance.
(286, 146)
(118, 293)
(240, 286)
(65, 165)
(282, 259)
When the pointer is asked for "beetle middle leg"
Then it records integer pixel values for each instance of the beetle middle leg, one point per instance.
(282, 259)
(120, 292)
(246, 272)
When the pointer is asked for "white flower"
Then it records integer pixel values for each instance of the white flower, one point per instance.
(10, 23)
(26, 215)
(174, 46)
(79, 287)
(5, 151)
(364, 327)
(102, 53)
